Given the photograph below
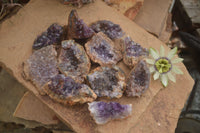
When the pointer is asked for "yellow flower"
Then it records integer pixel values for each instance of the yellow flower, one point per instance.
(163, 66)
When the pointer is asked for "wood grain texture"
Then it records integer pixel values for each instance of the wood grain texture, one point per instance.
(18, 33)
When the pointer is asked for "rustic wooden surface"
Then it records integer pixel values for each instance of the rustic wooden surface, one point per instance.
(18, 33)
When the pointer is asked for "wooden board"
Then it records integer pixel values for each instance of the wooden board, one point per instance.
(18, 33)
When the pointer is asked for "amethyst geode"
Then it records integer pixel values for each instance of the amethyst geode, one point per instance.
(41, 66)
(103, 112)
(77, 29)
(66, 91)
(73, 61)
(51, 36)
(133, 52)
(107, 81)
(113, 31)
(102, 50)
(138, 80)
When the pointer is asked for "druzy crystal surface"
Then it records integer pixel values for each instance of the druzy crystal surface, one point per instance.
(51, 36)
(133, 52)
(113, 31)
(103, 112)
(107, 81)
(77, 29)
(65, 90)
(138, 80)
(41, 66)
(73, 60)
(102, 50)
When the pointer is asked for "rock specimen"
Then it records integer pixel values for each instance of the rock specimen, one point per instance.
(113, 31)
(103, 112)
(133, 52)
(107, 81)
(77, 29)
(66, 91)
(78, 3)
(41, 66)
(102, 50)
(51, 36)
(138, 80)
(73, 61)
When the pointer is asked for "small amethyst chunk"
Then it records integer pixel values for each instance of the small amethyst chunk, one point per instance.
(102, 50)
(78, 3)
(103, 112)
(51, 36)
(77, 29)
(73, 61)
(41, 66)
(113, 31)
(138, 80)
(66, 91)
(107, 81)
(133, 52)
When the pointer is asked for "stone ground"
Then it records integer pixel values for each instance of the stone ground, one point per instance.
(10, 94)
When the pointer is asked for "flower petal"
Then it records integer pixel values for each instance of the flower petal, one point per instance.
(156, 75)
(154, 53)
(164, 80)
(171, 77)
(177, 60)
(162, 51)
(152, 69)
(172, 53)
(150, 61)
(176, 70)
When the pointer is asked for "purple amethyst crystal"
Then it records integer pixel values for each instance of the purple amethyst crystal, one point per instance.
(41, 66)
(103, 112)
(73, 60)
(133, 52)
(77, 29)
(138, 80)
(65, 90)
(113, 31)
(51, 36)
(107, 81)
(102, 50)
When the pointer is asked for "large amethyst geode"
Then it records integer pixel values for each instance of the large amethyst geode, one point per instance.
(73, 61)
(133, 52)
(138, 80)
(77, 29)
(107, 81)
(103, 112)
(113, 31)
(66, 91)
(41, 66)
(51, 36)
(102, 50)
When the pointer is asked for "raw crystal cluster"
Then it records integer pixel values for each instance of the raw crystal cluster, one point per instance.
(138, 80)
(77, 29)
(51, 36)
(133, 52)
(41, 66)
(103, 112)
(73, 61)
(107, 81)
(62, 77)
(113, 31)
(66, 91)
(102, 50)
